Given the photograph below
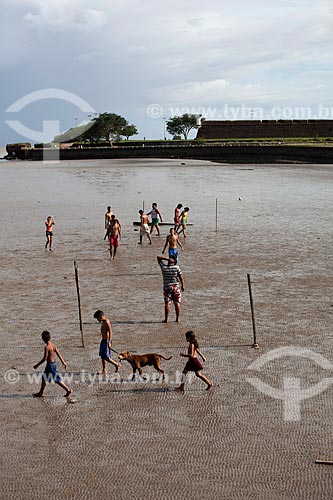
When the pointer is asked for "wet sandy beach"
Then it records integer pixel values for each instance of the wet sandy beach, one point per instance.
(257, 433)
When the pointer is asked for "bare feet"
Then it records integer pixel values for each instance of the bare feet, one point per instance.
(179, 389)
(117, 368)
(38, 395)
(68, 393)
(209, 386)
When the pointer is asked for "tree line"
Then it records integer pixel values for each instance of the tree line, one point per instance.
(111, 127)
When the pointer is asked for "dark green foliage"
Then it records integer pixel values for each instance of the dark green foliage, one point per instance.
(181, 125)
(128, 131)
(107, 127)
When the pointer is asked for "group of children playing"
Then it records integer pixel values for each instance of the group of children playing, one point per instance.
(113, 230)
(50, 351)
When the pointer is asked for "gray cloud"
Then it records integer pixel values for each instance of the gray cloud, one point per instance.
(121, 56)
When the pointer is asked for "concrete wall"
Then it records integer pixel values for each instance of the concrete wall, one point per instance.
(228, 154)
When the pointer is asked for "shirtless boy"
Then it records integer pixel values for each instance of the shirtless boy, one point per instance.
(50, 374)
(172, 240)
(49, 232)
(114, 234)
(144, 228)
(107, 221)
(176, 218)
(105, 345)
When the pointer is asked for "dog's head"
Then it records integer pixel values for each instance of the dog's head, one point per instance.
(124, 355)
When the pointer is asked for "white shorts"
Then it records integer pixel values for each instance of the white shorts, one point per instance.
(144, 229)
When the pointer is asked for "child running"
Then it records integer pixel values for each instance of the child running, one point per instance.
(50, 374)
(193, 364)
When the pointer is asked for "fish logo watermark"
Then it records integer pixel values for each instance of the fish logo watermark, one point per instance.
(291, 393)
(51, 128)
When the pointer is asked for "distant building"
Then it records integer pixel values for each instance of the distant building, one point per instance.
(248, 129)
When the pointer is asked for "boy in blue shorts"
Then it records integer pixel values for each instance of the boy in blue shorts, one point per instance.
(50, 374)
(172, 240)
(106, 339)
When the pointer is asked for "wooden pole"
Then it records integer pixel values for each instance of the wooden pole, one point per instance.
(216, 215)
(143, 205)
(254, 345)
(77, 280)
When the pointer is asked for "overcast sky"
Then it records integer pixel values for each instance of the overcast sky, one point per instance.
(214, 57)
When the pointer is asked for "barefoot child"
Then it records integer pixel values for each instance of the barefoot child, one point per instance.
(107, 220)
(183, 221)
(105, 345)
(172, 240)
(115, 233)
(193, 364)
(156, 218)
(50, 374)
(49, 232)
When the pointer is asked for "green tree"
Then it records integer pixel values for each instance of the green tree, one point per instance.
(129, 130)
(181, 125)
(109, 126)
(106, 127)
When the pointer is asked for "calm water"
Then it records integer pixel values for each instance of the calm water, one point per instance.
(273, 198)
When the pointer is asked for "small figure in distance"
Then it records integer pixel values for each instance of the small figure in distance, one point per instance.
(49, 232)
(144, 227)
(176, 218)
(172, 240)
(193, 364)
(107, 221)
(50, 374)
(105, 345)
(114, 233)
(172, 275)
(156, 218)
(183, 221)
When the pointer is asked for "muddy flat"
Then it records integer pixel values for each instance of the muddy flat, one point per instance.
(258, 432)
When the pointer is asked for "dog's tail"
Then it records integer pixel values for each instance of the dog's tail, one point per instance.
(167, 359)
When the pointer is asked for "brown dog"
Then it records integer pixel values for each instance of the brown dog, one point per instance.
(137, 361)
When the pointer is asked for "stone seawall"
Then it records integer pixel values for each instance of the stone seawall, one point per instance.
(218, 153)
